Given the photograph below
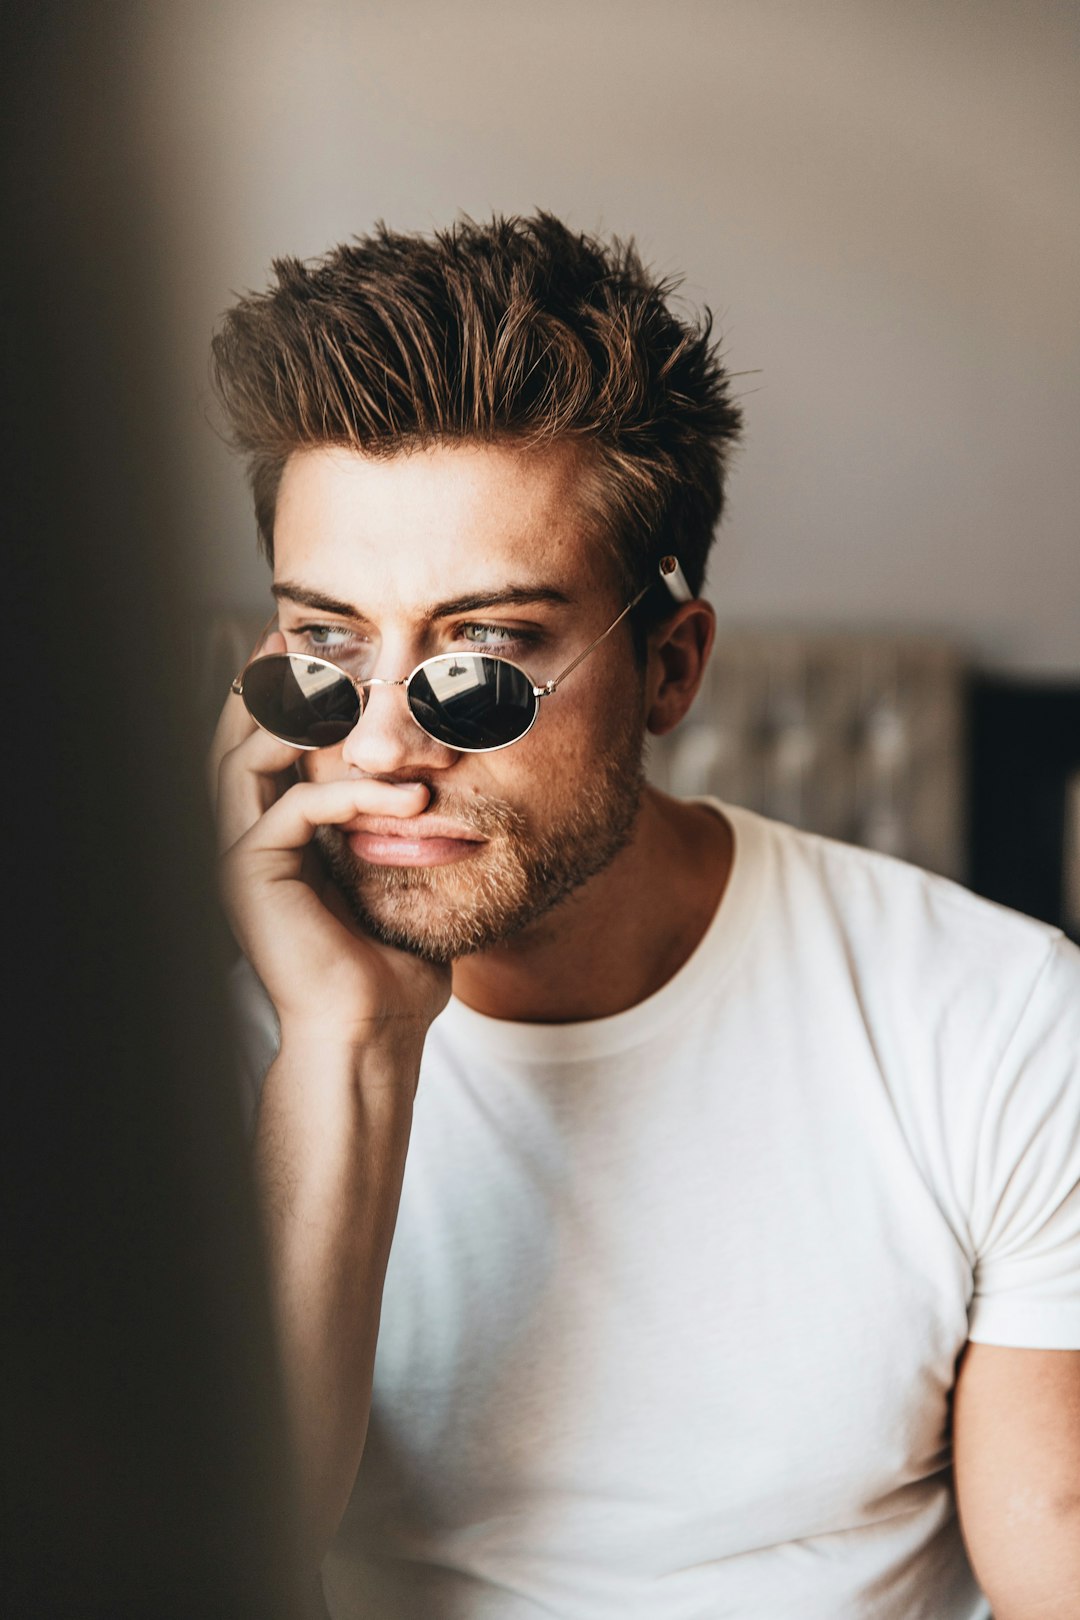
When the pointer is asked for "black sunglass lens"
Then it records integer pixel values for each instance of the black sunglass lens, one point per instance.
(301, 700)
(470, 701)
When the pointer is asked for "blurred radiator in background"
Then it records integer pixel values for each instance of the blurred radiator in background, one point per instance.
(860, 737)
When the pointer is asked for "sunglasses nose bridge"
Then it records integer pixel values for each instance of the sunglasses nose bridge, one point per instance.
(388, 738)
(363, 687)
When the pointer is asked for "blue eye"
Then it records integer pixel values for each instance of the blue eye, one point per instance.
(494, 637)
(333, 641)
(328, 635)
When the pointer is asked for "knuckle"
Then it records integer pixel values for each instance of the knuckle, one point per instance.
(294, 796)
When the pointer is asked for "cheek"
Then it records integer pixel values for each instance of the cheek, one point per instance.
(606, 712)
(573, 732)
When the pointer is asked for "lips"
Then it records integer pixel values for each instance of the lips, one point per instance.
(413, 829)
(412, 841)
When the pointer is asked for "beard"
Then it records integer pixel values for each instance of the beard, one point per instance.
(442, 913)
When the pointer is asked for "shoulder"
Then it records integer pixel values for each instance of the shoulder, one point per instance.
(972, 1015)
(941, 979)
(896, 916)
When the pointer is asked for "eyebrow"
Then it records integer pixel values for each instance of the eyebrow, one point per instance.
(508, 596)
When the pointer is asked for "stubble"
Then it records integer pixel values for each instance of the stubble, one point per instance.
(519, 875)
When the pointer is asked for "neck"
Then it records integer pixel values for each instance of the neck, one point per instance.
(618, 938)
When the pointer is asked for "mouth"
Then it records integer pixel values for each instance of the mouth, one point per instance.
(419, 842)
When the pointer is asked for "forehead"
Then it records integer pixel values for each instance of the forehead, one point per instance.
(401, 531)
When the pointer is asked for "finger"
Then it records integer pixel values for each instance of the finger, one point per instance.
(290, 823)
(250, 777)
(234, 722)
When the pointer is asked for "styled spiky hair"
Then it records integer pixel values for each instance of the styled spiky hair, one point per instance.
(519, 330)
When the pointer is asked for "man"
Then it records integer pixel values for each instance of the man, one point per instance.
(733, 1194)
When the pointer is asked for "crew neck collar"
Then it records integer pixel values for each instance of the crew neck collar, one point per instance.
(700, 975)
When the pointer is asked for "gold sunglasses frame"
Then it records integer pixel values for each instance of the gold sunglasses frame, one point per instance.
(670, 573)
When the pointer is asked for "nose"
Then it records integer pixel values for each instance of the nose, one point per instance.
(386, 740)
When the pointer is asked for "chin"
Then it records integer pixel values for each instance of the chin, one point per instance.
(443, 913)
(437, 929)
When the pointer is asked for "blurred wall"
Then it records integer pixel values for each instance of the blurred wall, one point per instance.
(878, 201)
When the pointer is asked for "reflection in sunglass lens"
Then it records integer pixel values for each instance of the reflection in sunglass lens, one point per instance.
(472, 702)
(304, 701)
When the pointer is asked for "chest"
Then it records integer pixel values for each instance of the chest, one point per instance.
(722, 1287)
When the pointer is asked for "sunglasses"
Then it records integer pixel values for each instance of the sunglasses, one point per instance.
(471, 702)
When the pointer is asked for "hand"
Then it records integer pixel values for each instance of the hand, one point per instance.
(331, 983)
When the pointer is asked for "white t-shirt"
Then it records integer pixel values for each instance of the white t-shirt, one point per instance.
(676, 1297)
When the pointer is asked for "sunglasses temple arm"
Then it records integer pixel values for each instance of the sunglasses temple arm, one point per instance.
(237, 684)
(675, 580)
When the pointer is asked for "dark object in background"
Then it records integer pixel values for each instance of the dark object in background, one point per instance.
(1025, 754)
(142, 1442)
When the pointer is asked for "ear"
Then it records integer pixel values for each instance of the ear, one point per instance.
(678, 652)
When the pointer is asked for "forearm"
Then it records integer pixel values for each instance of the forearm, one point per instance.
(330, 1153)
(1016, 1446)
(1033, 1571)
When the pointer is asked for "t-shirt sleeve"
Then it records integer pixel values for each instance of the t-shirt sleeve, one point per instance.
(1026, 1192)
(256, 1036)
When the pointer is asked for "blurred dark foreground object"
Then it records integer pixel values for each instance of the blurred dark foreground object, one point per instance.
(144, 1469)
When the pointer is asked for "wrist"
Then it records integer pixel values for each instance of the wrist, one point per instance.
(371, 1053)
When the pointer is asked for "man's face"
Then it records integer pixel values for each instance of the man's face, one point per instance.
(381, 563)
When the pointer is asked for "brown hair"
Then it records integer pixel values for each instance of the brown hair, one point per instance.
(518, 330)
